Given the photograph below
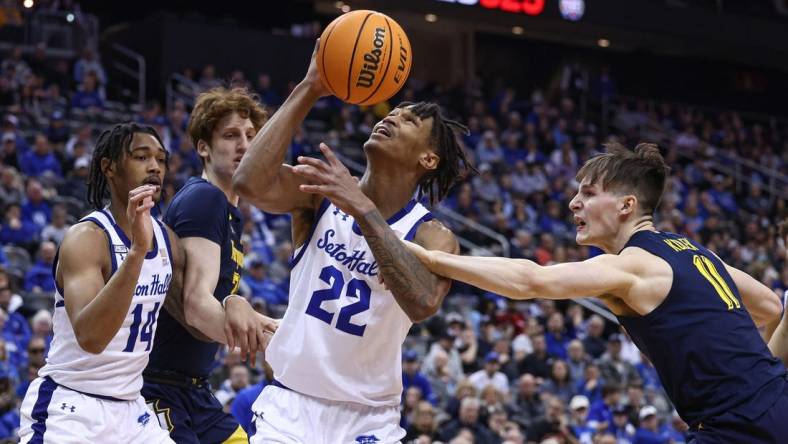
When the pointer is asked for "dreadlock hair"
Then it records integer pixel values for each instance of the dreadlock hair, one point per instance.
(454, 164)
(113, 144)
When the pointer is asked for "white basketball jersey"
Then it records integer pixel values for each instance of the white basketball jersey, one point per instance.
(341, 336)
(117, 371)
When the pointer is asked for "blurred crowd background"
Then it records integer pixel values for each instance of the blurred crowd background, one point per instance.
(485, 369)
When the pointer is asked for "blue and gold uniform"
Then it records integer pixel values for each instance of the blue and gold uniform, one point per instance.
(176, 384)
(713, 363)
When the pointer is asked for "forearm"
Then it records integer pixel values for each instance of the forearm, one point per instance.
(99, 321)
(507, 277)
(414, 287)
(260, 165)
(173, 303)
(205, 314)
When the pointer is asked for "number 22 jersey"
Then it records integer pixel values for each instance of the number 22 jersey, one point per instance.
(341, 336)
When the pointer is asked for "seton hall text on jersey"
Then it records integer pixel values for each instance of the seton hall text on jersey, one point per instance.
(155, 287)
(353, 262)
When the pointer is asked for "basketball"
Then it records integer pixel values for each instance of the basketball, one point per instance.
(364, 57)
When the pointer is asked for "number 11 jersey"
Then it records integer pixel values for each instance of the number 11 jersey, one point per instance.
(341, 336)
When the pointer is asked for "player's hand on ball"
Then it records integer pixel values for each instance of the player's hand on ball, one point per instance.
(313, 79)
(332, 179)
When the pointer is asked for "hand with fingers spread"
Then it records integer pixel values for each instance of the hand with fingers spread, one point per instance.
(330, 178)
(138, 213)
(246, 328)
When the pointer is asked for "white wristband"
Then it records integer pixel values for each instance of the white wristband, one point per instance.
(224, 301)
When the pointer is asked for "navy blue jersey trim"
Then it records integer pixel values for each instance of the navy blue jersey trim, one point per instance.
(54, 272)
(40, 408)
(323, 207)
(126, 241)
(109, 243)
(393, 219)
(412, 233)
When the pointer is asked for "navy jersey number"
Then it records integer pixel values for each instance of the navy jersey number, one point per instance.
(356, 288)
(147, 329)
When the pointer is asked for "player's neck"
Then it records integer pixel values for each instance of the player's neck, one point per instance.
(226, 185)
(617, 243)
(117, 208)
(389, 190)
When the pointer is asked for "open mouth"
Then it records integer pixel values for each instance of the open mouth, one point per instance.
(382, 130)
(581, 224)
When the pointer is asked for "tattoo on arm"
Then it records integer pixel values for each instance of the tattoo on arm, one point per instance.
(413, 285)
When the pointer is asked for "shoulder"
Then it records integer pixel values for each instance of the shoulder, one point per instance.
(84, 237)
(433, 235)
(199, 192)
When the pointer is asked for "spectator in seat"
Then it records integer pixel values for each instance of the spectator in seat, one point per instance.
(10, 155)
(261, 285)
(39, 275)
(594, 343)
(578, 409)
(87, 63)
(412, 377)
(41, 159)
(16, 231)
(613, 366)
(56, 230)
(556, 338)
(36, 209)
(528, 405)
(600, 416)
(559, 384)
(238, 380)
(468, 418)
(423, 423)
(87, 97)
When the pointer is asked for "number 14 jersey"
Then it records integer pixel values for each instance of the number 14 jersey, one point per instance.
(341, 336)
(117, 371)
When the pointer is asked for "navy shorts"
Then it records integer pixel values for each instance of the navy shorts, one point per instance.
(192, 415)
(729, 428)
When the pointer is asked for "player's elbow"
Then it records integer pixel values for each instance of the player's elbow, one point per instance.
(90, 343)
(423, 312)
(770, 308)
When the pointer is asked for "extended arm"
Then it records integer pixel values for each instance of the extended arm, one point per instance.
(418, 291)
(524, 279)
(262, 178)
(174, 301)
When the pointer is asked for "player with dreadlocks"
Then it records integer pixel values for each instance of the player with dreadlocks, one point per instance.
(337, 353)
(112, 273)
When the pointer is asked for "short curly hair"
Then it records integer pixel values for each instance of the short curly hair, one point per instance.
(213, 105)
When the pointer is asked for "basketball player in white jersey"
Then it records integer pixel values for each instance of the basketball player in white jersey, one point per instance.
(337, 353)
(112, 273)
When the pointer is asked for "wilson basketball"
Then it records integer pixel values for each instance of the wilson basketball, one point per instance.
(364, 57)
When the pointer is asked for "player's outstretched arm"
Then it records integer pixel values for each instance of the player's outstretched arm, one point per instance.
(262, 178)
(173, 303)
(523, 279)
(236, 325)
(97, 309)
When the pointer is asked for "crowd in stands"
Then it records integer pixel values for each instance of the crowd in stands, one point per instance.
(485, 370)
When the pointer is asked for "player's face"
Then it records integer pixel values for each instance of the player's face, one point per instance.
(402, 135)
(595, 213)
(143, 164)
(230, 140)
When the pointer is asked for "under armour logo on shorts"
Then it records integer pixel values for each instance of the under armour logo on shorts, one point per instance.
(65, 406)
(143, 419)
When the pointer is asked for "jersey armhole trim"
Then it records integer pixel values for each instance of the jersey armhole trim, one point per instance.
(299, 253)
(412, 233)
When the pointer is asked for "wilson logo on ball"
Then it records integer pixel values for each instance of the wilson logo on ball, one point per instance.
(364, 57)
(367, 75)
